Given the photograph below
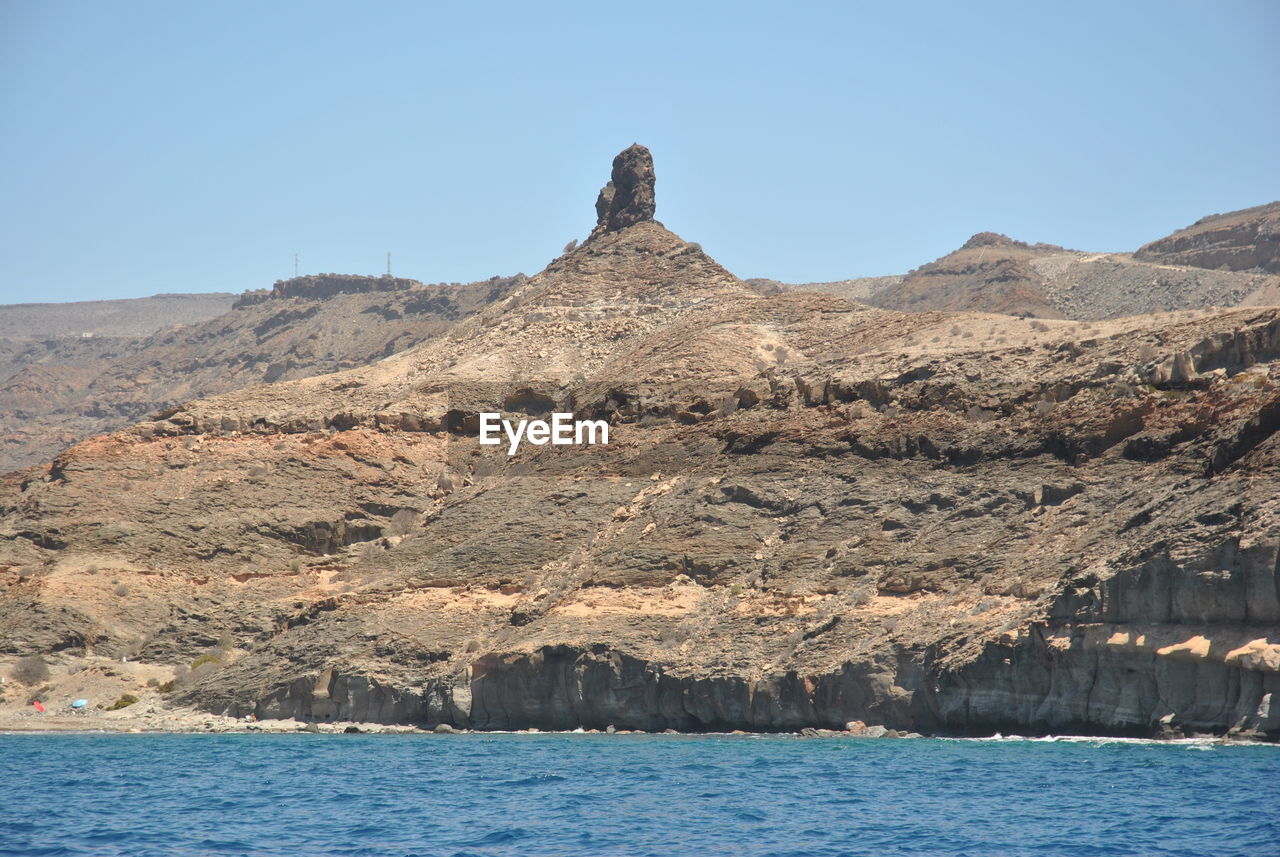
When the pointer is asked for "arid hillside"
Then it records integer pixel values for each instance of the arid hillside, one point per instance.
(124, 318)
(1223, 261)
(56, 391)
(810, 511)
(68, 371)
(1247, 240)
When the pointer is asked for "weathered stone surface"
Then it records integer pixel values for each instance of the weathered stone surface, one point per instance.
(604, 202)
(1237, 241)
(628, 198)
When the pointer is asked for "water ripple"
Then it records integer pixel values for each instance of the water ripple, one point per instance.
(487, 795)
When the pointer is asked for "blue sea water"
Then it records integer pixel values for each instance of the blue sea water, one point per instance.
(295, 795)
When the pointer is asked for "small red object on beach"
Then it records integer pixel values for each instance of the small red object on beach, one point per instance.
(38, 706)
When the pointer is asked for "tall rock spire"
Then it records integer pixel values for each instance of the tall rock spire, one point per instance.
(628, 197)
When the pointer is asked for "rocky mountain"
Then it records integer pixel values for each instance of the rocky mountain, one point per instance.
(61, 346)
(990, 273)
(995, 273)
(122, 318)
(810, 511)
(1246, 240)
(56, 390)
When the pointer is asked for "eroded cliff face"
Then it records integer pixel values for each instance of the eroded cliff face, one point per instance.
(1167, 645)
(809, 512)
(1238, 241)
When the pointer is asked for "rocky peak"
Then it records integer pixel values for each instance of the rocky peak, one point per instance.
(1004, 242)
(991, 239)
(628, 197)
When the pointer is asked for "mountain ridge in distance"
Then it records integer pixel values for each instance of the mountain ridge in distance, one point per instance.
(1223, 260)
(59, 386)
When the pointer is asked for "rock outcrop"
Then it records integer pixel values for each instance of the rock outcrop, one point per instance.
(628, 198)
(319, 286)
(1247, 240)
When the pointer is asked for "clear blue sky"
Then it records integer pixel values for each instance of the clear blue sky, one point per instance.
(171, 146)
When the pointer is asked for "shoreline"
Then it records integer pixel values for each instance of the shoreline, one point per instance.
(153, 710)
(194, 723)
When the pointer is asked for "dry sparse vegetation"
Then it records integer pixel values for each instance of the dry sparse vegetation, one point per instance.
(31, 670)
(123, 702)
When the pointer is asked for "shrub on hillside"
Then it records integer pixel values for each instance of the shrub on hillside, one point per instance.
(205, 659)
(31, 670)
(123, 702)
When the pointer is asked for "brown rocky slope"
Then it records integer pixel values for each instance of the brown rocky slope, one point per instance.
(995, 273)
(810, 511)
(55, 391)
(1245, 240)
(127, 317)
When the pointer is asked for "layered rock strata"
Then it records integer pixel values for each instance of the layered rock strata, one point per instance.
(1247, 240)
(810, 511)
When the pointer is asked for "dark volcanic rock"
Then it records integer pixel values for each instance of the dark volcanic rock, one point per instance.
(628, 198)
(603, 203)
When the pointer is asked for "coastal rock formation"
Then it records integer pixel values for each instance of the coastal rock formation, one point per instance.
(810, 512)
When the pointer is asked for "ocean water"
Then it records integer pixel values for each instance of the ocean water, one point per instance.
(302, 795)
